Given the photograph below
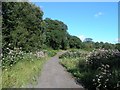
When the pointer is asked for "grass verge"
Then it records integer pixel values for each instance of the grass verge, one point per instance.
(74, 61)
(71, 64)
(23, 73)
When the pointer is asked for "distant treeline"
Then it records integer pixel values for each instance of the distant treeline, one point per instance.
(23, 27)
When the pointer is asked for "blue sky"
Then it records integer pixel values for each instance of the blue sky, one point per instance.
(96, 20)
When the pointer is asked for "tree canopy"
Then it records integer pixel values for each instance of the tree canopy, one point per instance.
(23, 26)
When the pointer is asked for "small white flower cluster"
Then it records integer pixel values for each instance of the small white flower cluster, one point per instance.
(101, 56)
(73, 54)
(105, 63)
(40, 54)
(101, 80)
(12, 57)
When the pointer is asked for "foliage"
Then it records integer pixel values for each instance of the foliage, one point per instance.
(23, 73)
(25, 33)
(21, 26)
(88, 40)
(99, 57)
(102, 45)
(117, 46)
(70, 65)
(106, 64)
(89, 46)
(12, 57)
(56, 34)
(54, 39)
(73, 54)
(51, 52)
(16, 55)
(74, 42)
(98, 70)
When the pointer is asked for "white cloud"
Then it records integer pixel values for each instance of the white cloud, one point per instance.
(117, 40)
(41, 7)
(98, 14)
(82, 37)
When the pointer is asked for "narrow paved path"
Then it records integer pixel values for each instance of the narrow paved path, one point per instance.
(55, 76)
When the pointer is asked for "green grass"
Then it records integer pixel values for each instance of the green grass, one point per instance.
(23, 73)
(75, 65)
(84, 72)
(71, 64)
(51, 52)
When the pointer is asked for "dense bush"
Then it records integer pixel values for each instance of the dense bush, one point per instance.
(56, 34)
(102, 67)
(21, 26)
(74, 41)
(50, 52)
(117, 46)
(99, 57)
(70, 54)
(12, 57)
(23, 73)
(73, 54)
(98, 70)
(15, 55)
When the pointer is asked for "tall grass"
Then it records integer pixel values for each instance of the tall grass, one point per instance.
(97, 70)
(22, 73)
(71, 60)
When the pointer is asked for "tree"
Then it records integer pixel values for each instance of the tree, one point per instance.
(22, 26)
(108, 46)
(88, 40)
(56, 34)
(74, 42)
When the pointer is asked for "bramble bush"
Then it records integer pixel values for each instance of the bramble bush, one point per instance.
(73, 54)
(102, 67)
(98, 57)
(96, 70)
(12, 57)
(51, 53)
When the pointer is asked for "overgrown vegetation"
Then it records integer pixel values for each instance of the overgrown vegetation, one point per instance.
(98, 69)
(26, 37)
(25, 31)
(23, 73)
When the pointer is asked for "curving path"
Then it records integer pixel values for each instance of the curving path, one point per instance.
(55, 76)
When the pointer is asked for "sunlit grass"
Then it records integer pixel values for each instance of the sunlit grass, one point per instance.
(97, 69)
(23, 73)
(74, 63)
(69, 63)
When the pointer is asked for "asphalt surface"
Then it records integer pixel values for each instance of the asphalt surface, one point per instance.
(54, 75)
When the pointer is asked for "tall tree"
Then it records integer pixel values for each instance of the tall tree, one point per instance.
(74, 42)
(56, 34)
(22, 25)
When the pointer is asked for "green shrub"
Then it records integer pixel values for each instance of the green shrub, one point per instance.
(102, 70)
(98, 70)
(99, 57)
(23, 73)
(12, 57)
(73, 54)
(51, 52)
